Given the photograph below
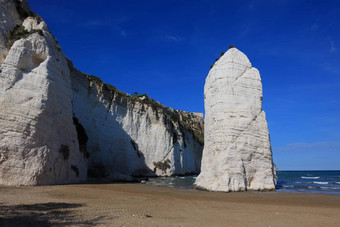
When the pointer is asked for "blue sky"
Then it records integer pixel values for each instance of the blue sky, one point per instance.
(165, 48)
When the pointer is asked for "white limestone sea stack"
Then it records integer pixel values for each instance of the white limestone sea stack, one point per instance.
(59, 125)
(237, 154)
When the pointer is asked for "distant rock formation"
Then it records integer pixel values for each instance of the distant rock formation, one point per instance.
(58, 125)
(237, 154)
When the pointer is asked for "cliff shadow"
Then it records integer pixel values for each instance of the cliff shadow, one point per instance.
(122, 161)
(42, 214)
(113, 153)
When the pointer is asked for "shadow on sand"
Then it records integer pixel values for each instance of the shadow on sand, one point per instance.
(42, 214)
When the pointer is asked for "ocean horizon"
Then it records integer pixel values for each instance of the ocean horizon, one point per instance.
(300, 181)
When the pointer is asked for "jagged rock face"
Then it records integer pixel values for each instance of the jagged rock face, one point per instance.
(237, 153)
(38, 140)
(128, 137)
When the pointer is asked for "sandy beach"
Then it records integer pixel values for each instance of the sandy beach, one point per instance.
(145, 205)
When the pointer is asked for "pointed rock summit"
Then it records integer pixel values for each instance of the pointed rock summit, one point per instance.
(237, 154)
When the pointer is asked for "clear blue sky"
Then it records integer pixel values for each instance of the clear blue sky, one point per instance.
(164, 48)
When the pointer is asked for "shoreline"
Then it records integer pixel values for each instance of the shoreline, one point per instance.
(326, 182)
(127, 204)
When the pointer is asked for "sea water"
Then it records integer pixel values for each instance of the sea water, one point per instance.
(309, 181)
(288, 181)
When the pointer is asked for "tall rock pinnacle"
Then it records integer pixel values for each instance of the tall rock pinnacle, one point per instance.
(237, 153)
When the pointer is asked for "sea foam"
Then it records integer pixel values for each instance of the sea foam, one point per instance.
(310, 177)
(320, 182)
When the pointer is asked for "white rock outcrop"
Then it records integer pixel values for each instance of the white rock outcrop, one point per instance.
(38, 139)
(237, 154)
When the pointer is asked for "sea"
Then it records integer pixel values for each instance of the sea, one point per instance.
(288, 181)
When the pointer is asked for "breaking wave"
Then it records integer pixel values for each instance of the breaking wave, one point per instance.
(310, 177)
(320, 182)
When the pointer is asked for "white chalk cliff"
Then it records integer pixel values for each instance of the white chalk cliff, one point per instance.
(58, 124)
(134, 135)
(237, 153)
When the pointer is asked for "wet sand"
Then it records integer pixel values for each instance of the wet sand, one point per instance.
(145, 205)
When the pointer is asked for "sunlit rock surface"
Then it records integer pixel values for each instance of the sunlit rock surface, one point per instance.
(237, 153)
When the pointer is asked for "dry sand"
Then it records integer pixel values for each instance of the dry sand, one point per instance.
(145, 205)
